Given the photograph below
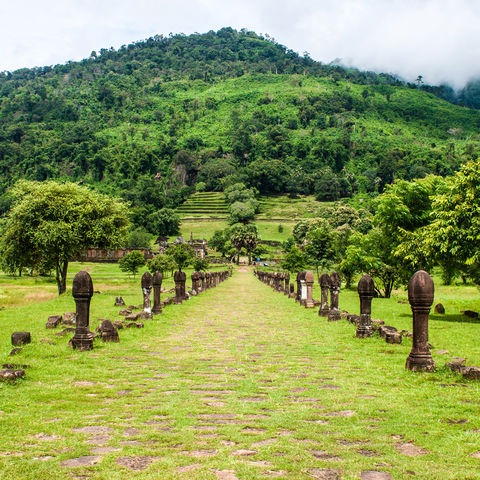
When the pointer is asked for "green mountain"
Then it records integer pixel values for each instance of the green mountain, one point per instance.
(151, 119)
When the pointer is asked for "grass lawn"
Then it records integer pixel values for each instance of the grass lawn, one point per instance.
(237, 383)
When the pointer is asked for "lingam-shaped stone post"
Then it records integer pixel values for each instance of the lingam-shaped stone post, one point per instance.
(157, 288)
(324, 286)
(202, 280)
(300, 277)
(309, 281)
(335, 283)
(365, 292)
(292, 291)
(82, 291)
(147, 284)
(286, 279)
(177, 277)
(420, 296)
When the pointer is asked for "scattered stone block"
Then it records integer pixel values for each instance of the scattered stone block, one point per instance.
(383, 330)
(118, 324)
(10, 375)
(439, 308)
(69, 318)
(366, 291)
(14, 366)
(21, 338)
(124, 312)
(108, 332)
(456, 365)
(15, 351)
(132, 316)
(119, 302)
(135, 325)
(53, 321)
(469, 313)
(393, 337)
(472, 373)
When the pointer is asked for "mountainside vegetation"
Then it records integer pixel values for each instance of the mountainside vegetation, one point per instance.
(152, 119)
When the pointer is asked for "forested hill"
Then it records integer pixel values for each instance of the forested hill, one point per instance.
(150, 120)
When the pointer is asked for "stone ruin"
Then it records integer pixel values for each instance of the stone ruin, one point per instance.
(82, 291)
(420, 296)
(324, 287)
(366, 290)
(309, 281)
(108, 332)
(335, 283)
(157, 288)
(147, 285)
(180, 279)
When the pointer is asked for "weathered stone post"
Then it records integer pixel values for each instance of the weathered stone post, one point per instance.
(365, 292)
(292, 291)
(324, 286)
(202, 279)
(300, 276)
(82, 291)
(180, 279)
(286, 279)
(157, 288)
(420, 296)
(147, 284)
(309, 281)
(335, 283)
(303, 289)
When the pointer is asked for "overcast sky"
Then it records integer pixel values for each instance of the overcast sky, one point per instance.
(439, 39)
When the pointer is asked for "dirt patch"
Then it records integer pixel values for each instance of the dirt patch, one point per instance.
(84, 461)
(375, 475)
(98, 440)
(324, 473)
(135, 463)
(201, 453)
(410, 449)
(226, 475)
(321, 454)
(104, 450)
(253, 430)
(84, 383)
(188, 468)
(263, 443)
(243, 452)
(342, 413)
(368, 453)
(93, 429)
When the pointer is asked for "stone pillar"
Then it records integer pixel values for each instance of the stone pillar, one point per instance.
(420, 296)
(157, 288)
(324, 286)
(202, 279)
(147, 284)
(179, 278)
(335, 283)
(286, 279)
(365, 292)
(303, 292)
(300, 276)
(195, 282)
(82, 291)
(309, 281)
(292, 291)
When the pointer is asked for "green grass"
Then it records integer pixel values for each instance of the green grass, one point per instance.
(282, 206)
(238, 368)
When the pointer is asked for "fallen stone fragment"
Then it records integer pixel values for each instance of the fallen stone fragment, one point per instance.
(10, 375)
(136, 463)
(21, 338)
(14, 366)
(456, 364)
(385, 329)
(118, 324)
(324, 474)
(69, 318)
(439, 308)
(15, 351)
(393, 337)
(119, 302)
(472, 373)
(53, 321)
(135, 325)
(469, 313)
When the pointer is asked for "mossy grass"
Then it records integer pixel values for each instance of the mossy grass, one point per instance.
(256, 370)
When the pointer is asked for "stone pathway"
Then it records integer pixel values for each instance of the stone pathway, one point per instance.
(245, 385)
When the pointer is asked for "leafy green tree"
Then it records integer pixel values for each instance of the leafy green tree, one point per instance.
(294, 261)
(182, 255)
(131, 262)
(139, 238)
(320, 246)
(161, 263)
(164, 222)
(50, 223)
(200, 264)
(244, 237)
(241, 212)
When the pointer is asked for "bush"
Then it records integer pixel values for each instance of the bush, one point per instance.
(131, 262)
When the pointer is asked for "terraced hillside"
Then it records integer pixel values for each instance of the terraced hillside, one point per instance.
(204, 204)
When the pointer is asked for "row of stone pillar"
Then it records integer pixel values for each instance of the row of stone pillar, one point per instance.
(201, 281)
(421, 292)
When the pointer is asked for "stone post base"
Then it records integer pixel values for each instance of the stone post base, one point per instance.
(334, 316)
(82, 341)
(420, 362)
(323, 312)
(364, 331)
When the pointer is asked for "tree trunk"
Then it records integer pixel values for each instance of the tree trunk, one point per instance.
(61, 276)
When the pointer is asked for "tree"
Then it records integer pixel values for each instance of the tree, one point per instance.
(50, 223)
(244, 237)
(160, 263)
(241, 212)
(164, 222)
(320, 246)
(294, 261)
(200, 264)
(182, 255)
(131, 262)
(139, 238)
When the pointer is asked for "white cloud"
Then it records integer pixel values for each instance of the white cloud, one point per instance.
(438, 39)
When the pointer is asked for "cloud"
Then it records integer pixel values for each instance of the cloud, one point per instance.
(438, 39)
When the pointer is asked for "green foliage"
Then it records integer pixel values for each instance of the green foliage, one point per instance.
(200, 186)
(139, 238)
(294, 261)
(244, 237)
(161, 263)
(164, 222)
(321, 246)
(131, 262)
(182, 255)
(241, 212)
(200, 264)
(50, 223)
(280, 228)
